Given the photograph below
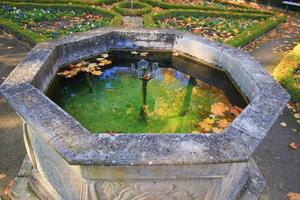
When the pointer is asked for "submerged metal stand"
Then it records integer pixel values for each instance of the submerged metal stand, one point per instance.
(144, 91)
(145, 73)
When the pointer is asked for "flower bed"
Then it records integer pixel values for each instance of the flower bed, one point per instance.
(139, 8)
(216, 28)
(53, 21)
(205, 5)
(83, 2)
(235, 29)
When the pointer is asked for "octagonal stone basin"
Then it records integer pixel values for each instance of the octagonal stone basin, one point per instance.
(68, 162)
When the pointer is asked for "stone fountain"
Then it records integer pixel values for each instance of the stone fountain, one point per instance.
(65, 161)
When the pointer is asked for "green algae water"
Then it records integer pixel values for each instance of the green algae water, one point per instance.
(176, 102)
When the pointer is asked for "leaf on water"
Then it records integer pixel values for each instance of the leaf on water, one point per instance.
(219, 109)
(105, 62)
(293, 146)
(223, 123)
(144, 54)
(82, 66)
(8, 187)
(105, 55)
(206, 124)
(134, 53)
(293, 196)
(92, 65)
(100, 59)
(83, 62)
(97, 73)
(175, 54)
(235, 110)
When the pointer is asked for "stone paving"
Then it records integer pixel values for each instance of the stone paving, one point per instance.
(12, 150)
(132, 22)
(273, 46)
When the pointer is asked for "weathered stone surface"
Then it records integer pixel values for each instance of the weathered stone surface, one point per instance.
(80, 165)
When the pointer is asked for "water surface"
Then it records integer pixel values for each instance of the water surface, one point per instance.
(176, 102)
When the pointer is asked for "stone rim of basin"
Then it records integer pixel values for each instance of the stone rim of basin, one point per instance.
(25, 87)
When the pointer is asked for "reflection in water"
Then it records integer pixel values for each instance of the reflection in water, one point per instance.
(176, 102)
(111, 102)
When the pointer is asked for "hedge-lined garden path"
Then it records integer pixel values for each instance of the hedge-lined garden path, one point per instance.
(273, 46)
(12, 150)
(278, 163)
(132, 22)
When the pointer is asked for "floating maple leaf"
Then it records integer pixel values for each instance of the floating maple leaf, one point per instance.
(223, 123)
(219, 109)
(85, 66)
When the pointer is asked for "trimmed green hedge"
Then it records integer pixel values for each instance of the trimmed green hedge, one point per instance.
(239, 40)
(83, 2)
(139, 8)
(160, 4)
(31, 37)
(287, 73)
(254, 31)
(25, 35)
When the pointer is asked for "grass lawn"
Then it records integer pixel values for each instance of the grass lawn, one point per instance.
(288, 73)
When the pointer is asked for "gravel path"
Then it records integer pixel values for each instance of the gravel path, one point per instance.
(12, 150)
(279, 164)
(272, 47)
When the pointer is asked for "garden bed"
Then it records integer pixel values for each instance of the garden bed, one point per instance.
(205, 5)
(235, 29)
(288, 73)
(50, 21)
(83, 2)
(138, 9)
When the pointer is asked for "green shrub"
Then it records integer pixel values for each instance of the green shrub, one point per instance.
(25, 35)
(287, 73)
(83, 2)
(139, 8)
(254, 31)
